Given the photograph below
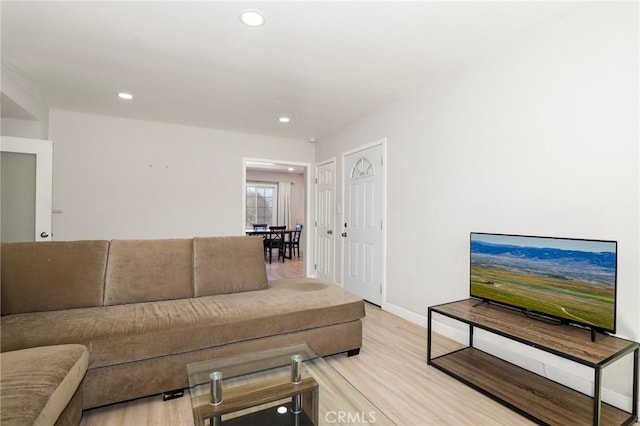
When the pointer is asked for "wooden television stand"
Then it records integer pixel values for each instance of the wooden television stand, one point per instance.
(536, 397)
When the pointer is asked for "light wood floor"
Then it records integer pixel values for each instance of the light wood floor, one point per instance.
(290, 268)
(391, 371)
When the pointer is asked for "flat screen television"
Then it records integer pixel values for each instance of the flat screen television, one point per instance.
(569, 280)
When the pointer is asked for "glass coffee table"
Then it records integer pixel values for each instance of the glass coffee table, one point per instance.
(285, 386)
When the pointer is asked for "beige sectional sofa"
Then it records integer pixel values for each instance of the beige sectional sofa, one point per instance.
(41, 386)
(146, 308)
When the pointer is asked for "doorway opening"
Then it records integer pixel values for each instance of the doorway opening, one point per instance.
(276, 192)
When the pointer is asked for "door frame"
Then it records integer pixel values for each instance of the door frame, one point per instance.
(43, 150)
(315, 237)
(383, 254)
(309, 254)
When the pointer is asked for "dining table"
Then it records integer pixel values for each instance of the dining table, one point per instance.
(287, 235)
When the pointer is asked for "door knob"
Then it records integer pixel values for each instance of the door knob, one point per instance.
(344, 234)
(330, 232)
(44, 234)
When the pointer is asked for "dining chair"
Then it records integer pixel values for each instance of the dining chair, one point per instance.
(275, 240)
(259, 229)
(295, 239)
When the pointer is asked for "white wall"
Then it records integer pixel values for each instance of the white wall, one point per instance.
(121, 178)
(21, 128)
(540, 138)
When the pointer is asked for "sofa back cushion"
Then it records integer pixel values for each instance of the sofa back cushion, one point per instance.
(228, 265)
(52, 275)
(149, 270)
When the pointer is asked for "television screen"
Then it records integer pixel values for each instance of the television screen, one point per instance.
(569, 279)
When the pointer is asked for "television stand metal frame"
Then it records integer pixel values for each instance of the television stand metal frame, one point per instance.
(538, 398)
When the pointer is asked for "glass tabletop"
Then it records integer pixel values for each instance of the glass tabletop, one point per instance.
(248, 375)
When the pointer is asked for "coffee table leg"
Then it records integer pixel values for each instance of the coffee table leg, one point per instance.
(215, 395)
(296, 404)
(296, 377)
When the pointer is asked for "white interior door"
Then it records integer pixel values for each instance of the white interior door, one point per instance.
(325, 221)
(27, 166)
(363, 226)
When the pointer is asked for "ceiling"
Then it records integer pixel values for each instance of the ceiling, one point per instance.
(322, 64)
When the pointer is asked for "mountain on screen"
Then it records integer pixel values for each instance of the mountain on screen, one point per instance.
(594, 267)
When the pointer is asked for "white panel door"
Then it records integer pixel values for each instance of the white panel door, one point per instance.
(25, 196)
(362, 234)
(325, 221)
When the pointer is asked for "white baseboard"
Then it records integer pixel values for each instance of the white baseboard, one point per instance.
(405, 314)
(421, 320)
(452, 333)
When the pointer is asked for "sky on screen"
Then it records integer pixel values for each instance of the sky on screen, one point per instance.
(547, 242)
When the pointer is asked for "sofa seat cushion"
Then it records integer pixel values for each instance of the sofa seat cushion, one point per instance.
(38, 383)
(124, 333)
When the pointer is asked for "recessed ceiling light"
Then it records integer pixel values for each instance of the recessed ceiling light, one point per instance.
(127, 96)
(290, 169)
(252, 18)
(284, 119)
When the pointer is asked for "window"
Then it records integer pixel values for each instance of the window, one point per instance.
(260, 206)
(362, 168)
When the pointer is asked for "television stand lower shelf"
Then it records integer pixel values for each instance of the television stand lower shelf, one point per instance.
(530, 394)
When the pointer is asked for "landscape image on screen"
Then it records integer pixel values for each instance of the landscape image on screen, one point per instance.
(565, 278)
